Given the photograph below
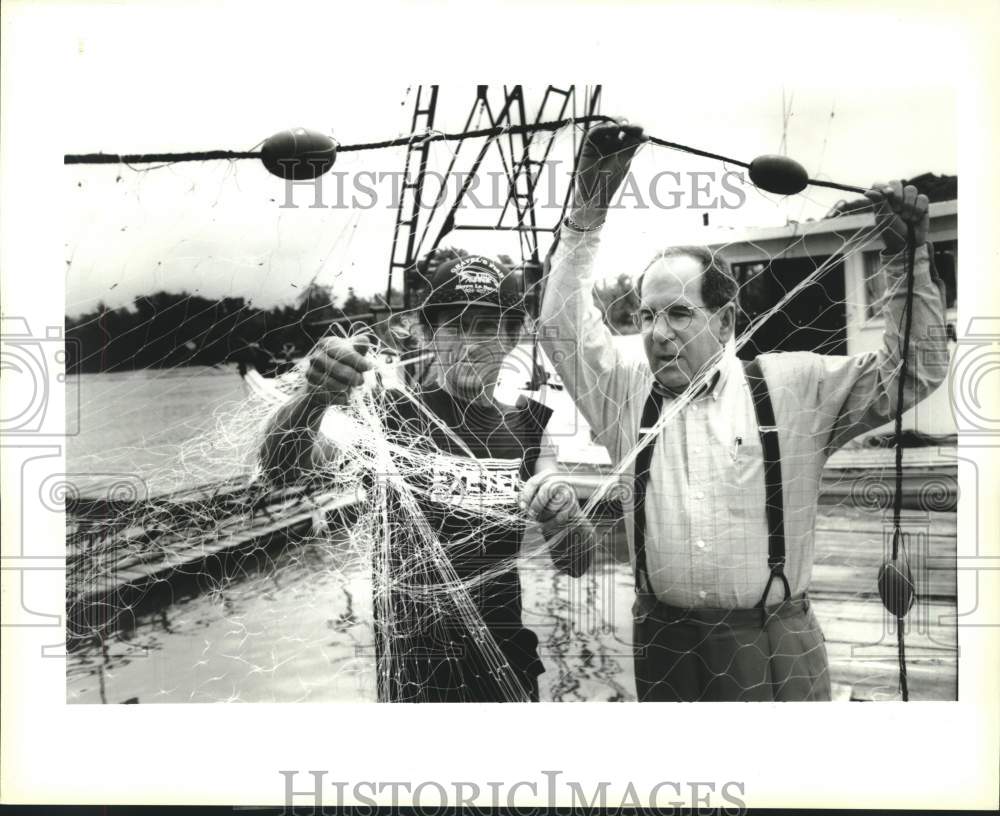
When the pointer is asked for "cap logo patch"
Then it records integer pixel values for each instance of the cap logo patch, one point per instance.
(477, 276)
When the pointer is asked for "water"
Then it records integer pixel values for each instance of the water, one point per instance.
(299, 630)
(155, 426)
(295, 629)
(293, 624)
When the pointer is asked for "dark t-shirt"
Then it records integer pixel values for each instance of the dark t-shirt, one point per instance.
(426, 647)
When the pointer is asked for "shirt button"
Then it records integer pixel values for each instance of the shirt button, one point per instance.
(700, 544)
(699, 494)
(702, 594)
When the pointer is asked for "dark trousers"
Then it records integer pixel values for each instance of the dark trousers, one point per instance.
(426, 674)
(688, 655)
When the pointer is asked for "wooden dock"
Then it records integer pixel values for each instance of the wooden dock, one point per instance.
(115, 549)
(851, 544)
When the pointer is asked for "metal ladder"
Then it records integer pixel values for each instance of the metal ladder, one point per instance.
(407, 214)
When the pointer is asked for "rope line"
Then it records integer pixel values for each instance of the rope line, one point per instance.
(423, 138)
(897, 508)
(157, 158)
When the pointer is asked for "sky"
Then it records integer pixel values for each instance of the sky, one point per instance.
(218, 228)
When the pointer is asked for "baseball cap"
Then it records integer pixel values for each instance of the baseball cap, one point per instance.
(475, 280)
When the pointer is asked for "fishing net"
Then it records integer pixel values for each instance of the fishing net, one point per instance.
(376, 571)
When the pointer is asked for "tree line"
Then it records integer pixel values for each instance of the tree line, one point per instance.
(170, 329)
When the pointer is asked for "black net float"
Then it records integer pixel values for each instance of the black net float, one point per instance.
(298, 154)
(895, 588)
(778, 174)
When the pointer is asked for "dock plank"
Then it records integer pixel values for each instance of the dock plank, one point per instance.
(862, 580)
(858, 458)
(879, 680)
(856, 519)
(131, 557)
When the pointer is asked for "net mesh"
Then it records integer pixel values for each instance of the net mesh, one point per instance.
(398, 565)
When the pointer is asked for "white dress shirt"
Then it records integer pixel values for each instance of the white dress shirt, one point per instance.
(706, 529)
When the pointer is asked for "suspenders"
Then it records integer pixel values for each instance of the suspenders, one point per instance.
(774, 505)
(773, 501)
(650, 415)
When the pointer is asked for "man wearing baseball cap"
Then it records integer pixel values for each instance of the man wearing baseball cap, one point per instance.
(473, 314)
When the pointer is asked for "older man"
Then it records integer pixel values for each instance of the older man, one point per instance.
(427, 649)
(721, 518)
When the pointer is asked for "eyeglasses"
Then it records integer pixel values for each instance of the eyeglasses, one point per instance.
(678, 317)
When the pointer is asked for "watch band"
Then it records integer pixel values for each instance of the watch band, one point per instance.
(568, 221)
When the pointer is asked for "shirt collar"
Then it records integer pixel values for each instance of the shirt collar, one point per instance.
(727, 362)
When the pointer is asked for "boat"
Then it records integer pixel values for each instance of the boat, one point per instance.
(117, 552)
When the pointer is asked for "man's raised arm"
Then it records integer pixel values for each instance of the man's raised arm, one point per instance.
(292, 446)
(861, 392)
(571, 329)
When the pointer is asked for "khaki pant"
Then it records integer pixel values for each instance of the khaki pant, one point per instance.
(687, 655)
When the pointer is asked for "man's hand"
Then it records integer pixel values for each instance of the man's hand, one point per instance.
(336, 366)
(604, 162)
(554, 505)
(896, 209)
(549, 501)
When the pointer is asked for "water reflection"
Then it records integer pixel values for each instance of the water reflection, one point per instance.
(294, 625)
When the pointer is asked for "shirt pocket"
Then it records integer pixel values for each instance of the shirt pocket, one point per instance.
(745, 457)
(746, 490)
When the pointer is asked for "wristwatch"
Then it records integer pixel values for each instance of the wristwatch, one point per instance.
(568, 221)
